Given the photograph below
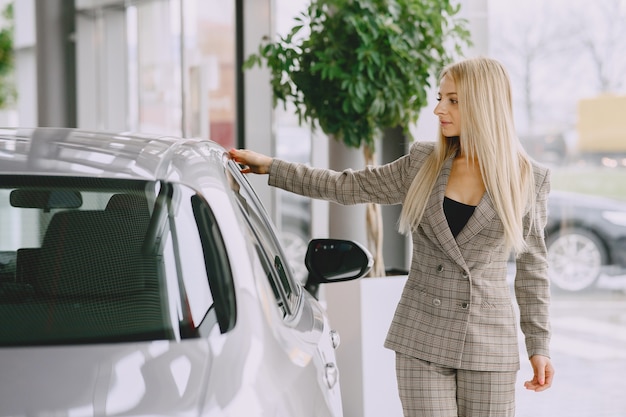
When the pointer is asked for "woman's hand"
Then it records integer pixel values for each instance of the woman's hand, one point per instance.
(252, 161)
(543, 374)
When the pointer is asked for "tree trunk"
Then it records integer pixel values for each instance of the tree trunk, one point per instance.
(374, 225)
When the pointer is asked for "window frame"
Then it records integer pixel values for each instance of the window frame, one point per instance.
(286, 289)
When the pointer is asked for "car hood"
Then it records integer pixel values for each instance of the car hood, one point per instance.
(156, 378)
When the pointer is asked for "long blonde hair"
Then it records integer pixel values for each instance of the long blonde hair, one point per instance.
(487, 134)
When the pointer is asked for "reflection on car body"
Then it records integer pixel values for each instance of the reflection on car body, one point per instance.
(586, 237)
(141, 276)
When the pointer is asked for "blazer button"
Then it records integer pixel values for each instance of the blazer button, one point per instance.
(436, 301)
(464, 306)
(465, 274)
(439, 268)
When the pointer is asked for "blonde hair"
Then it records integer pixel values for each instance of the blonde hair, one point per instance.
(487, 134)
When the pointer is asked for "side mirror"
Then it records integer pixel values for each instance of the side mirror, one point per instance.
(333, 260)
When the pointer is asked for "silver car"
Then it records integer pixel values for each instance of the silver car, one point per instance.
(140, 275)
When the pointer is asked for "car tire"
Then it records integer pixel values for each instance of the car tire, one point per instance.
(576, 257)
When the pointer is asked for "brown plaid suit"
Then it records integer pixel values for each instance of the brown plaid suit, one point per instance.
(456, 309)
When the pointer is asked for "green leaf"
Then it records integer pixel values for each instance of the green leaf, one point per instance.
(365, 65)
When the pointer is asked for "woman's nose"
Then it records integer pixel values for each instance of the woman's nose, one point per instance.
(438, 109)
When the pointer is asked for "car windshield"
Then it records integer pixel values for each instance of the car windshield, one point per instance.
(86, 260)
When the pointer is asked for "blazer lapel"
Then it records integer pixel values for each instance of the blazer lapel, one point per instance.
(435, 217)
(483, 215)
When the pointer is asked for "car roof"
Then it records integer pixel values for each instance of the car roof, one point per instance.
(585, 201)
(84, 153)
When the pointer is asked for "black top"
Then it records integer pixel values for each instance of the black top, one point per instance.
(457, 214)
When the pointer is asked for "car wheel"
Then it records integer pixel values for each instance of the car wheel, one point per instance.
(575, 258)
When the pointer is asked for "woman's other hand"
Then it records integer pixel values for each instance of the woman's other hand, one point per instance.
(543, 374)
(252, 161)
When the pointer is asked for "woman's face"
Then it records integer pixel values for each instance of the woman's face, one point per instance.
(448, 108)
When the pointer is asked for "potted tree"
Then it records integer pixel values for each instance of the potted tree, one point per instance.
(357, 67)
(8, 93)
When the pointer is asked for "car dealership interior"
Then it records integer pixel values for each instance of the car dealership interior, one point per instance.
(174, 68)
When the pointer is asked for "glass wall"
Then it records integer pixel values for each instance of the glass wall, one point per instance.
(567, 61)
(154, 48)
(180, 66)
(209, 70)
(293, 143)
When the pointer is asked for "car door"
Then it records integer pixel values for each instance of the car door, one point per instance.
(302, 316)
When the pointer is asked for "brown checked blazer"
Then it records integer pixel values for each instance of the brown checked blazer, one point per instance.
(456, 309)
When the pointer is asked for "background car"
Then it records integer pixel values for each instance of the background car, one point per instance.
(585, 237)
(140, 275)
(550, 148)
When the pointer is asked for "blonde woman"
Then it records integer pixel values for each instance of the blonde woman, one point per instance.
(470, 200)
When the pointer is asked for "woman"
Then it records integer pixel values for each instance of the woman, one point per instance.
(469, 200)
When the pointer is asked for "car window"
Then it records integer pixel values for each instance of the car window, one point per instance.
(283, 284)
(86, 260)
(216, 263)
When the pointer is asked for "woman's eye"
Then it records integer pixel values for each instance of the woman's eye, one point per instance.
(453, 101)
